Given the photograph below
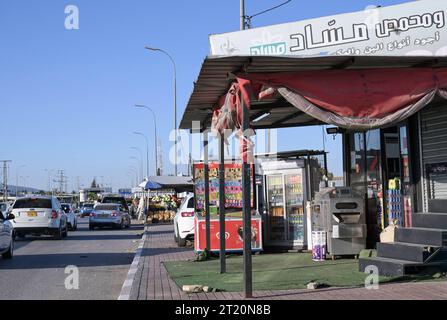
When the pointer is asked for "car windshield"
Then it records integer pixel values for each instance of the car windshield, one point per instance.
(33, 203)
(107, 207)
(119, 200)
(88, 206)
(191, 203)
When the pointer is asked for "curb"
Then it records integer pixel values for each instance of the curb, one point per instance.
(128, 283)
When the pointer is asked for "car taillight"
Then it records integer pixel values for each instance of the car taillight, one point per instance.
(114, 214)
(54, 214)
(92, 214)
(187, 214)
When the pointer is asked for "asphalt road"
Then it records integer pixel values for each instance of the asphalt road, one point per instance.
(38, 269)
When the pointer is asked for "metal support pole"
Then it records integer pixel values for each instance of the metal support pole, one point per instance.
(207, 193)
(310, 183)
(242, 10)
(175, 119)
(246, 185)
(326, 170)
(147, 160)
(222, 231)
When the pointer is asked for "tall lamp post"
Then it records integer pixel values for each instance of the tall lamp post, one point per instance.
(49, 171)
(25, 178)
(17, 177)
(147, 150)
(175, 99)
(129, 174)
(140, 164)
(155, 134)
(134, 170)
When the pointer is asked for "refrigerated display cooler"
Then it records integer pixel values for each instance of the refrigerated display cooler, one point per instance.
(287, 185)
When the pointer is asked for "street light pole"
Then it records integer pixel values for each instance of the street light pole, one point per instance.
(17, 177)
(147, 151)
(140, 163)
(155, 134)
(136, 173)
(129, 174)
(49, 171)
(175, 100)
(25, 183)
(141, 159)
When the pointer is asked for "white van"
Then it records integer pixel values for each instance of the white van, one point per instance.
(39, 215)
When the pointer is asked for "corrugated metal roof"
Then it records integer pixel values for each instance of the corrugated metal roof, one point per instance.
(214, 81)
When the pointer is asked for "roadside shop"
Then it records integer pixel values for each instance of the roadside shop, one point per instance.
(383, 87)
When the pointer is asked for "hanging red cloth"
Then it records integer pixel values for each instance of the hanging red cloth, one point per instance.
(355, 98)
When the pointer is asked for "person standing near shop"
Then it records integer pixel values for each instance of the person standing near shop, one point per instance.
(142, 209)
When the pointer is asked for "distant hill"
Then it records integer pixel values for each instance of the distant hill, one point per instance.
(12, 189)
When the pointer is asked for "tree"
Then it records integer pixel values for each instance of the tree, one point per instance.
(92, 196)
(94, 185)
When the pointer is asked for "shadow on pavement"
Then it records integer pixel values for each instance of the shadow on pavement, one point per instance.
(149, 232)
(93, 236)
(53, 261)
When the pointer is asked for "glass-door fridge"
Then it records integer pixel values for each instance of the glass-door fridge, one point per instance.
(285, 220)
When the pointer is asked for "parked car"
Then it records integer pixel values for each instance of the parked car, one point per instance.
(39, 215)
(184, 221)
(109, 215)
(4, 208)
(115, 199)
(6, 236)
(86, 209)
(72, 219)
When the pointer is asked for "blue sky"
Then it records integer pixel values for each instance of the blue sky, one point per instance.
(66, 96)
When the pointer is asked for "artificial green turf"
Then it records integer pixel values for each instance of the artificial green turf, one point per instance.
(270, 272)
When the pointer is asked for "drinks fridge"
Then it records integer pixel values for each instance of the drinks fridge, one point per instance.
(285, 206)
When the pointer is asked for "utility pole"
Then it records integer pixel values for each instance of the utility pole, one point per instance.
(242, 4)
(5, 179)
(247, 265)
(246, 23)
(160, 160)
(62, 181)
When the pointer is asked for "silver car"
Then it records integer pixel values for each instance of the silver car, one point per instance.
(109, 215)
(72, 219)
(6, 236)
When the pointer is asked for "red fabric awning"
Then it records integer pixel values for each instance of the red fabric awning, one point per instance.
(355, 99)
(358, 93)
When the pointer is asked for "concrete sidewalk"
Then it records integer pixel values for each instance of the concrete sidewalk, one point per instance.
(151, 281)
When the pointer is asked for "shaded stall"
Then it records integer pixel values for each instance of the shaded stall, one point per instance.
(351, 92)
(162, 195)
